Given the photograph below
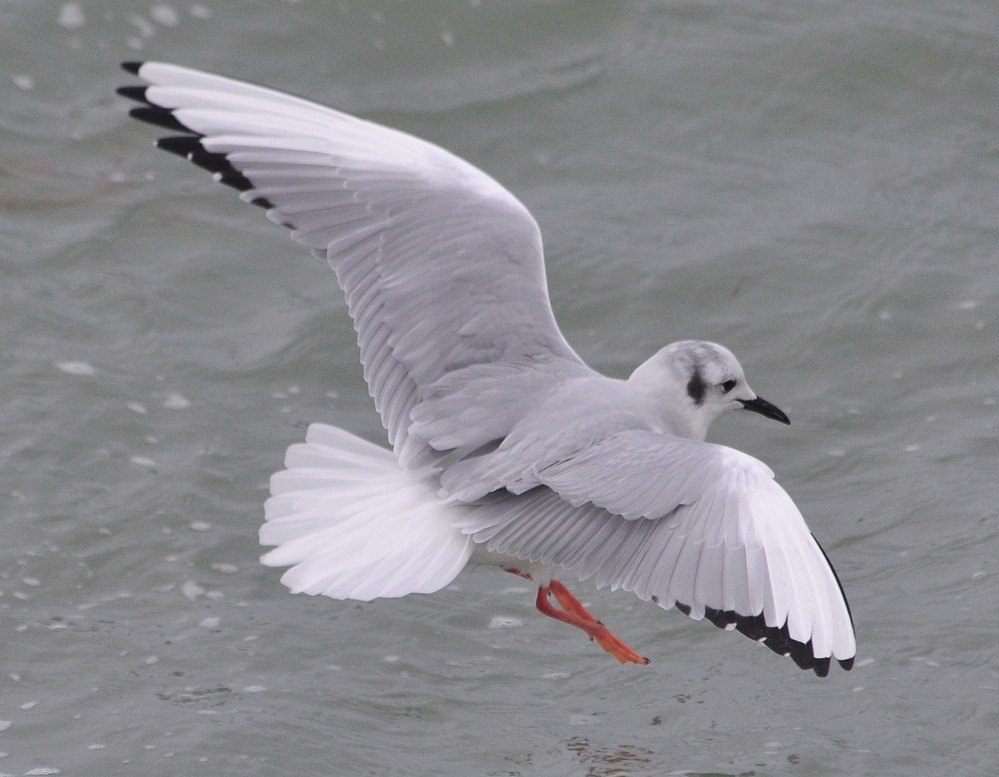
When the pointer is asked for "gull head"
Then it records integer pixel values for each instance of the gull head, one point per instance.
(691, 383)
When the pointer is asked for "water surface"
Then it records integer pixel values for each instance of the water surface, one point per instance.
(812, 184)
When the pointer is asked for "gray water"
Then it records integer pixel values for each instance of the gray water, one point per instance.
(813, 184)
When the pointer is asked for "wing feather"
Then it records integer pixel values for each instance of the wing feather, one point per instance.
(442, 267)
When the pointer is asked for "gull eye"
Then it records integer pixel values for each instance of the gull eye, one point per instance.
(727, 386)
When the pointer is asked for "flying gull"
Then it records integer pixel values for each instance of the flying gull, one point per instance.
(507, 449)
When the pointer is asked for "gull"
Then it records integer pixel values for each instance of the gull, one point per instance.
(507, 450)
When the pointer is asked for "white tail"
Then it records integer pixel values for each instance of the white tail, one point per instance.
(352, 524)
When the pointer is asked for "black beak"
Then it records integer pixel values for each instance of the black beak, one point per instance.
(765, 409)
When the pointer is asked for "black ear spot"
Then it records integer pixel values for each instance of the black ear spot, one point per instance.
(696, 388)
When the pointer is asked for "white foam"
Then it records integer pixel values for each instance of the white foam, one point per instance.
(75, 368)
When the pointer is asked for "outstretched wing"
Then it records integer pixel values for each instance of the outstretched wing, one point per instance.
(685, 523)
(441, 266)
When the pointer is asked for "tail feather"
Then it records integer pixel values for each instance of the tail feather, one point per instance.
(352, 524)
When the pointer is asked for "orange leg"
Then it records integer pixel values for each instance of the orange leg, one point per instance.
(575, 614)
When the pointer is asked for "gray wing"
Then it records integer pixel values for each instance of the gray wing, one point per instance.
(684, 523)
(442, 267)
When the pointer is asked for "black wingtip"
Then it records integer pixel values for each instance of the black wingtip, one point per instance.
(189, 147)
(159, 117)
(137, 93)
(186, 146)
(777, 639)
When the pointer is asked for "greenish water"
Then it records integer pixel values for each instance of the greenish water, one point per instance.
(812, 184)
